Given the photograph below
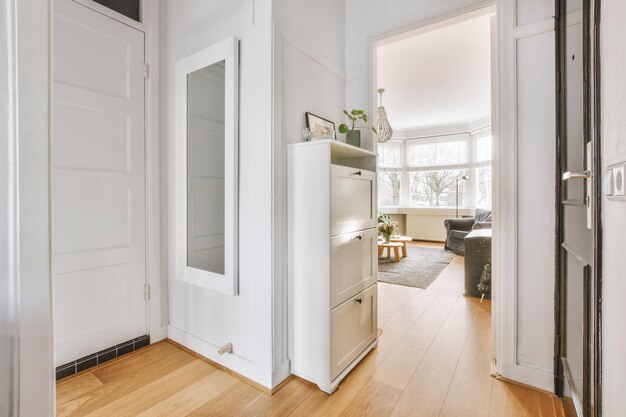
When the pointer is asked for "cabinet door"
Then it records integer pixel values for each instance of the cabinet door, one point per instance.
(353, 204)
(353, 262)
(353, 328)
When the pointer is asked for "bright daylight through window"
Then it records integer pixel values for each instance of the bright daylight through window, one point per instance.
(425, 172)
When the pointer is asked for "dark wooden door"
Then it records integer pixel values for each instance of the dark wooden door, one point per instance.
(577, 298)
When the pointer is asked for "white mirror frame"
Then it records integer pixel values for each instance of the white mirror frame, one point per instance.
(228, 51)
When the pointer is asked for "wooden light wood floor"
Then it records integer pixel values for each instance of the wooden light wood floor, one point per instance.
(433, 359)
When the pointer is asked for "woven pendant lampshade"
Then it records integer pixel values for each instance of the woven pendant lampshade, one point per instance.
(384, 128)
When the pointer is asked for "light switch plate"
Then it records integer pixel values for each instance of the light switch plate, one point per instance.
(608, 184)
(618, 182)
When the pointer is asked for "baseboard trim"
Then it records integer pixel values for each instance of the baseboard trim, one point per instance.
(521, 384)
(281, 374)
(158, 334)
(266, 390)
(108, 363)
(89, 362)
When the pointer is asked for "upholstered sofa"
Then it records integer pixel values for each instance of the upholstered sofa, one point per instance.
(458, 229)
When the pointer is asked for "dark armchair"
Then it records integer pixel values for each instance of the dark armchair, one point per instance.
(457, 229)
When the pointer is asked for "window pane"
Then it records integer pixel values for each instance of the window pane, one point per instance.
(129, 8)
(390, 156)
(450, 153)
(483, 149)
(437, 153)
(483, 187)
(421, 155)
(437, 188)
(389, 189)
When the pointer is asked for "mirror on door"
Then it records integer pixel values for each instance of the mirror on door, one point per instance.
(205, 168)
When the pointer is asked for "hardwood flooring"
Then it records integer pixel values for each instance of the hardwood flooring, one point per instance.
(433, 359)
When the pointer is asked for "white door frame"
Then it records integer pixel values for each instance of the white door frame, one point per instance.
(498, 241)
(156, 325)
(28, 34)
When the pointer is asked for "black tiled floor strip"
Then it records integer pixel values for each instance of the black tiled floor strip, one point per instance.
(101, 357)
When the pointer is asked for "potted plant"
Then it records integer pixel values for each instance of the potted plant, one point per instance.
(386, 229)
(382, 217)
(354, 118)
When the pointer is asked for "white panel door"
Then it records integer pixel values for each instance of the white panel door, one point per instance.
(98, 185)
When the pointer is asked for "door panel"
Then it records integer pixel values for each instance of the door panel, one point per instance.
(98, 182)
(575, 381)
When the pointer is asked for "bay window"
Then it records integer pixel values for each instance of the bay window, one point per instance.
(389, 174)
(434, 172)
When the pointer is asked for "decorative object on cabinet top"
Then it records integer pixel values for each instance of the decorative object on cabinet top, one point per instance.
(319, 128)
(353, 135)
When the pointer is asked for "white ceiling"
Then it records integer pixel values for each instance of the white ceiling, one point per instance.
(439, 77)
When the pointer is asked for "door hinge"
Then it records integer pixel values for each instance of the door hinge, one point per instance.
(146, 70)
(146, 292)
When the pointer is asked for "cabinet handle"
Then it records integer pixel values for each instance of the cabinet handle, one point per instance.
(358, 237)
(359, 300)
(357, 173)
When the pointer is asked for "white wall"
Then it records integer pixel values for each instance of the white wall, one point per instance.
(34, 372)
(369, 19)
(308, 42)
(613, 93)
(36, 349)
(424, 223)
(429, 224)
(201, 319)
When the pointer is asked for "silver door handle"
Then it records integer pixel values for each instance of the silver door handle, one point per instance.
(575, 175)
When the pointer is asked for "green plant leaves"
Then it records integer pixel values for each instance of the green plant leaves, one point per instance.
(355, 116)
(343, 128)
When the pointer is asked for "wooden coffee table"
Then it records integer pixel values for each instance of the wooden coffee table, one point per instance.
(403, 240)
(395, 246)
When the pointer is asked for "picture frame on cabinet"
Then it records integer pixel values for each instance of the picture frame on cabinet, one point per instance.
(319, 127)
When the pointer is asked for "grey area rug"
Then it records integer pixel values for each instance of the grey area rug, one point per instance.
(419, 269)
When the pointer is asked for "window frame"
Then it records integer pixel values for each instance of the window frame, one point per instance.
(471, 166)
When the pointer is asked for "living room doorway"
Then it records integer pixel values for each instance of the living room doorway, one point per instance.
(436, 85)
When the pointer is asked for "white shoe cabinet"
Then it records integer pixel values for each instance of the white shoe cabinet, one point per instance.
(333, 259)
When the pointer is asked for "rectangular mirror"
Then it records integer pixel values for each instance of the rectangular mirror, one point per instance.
(206, 169)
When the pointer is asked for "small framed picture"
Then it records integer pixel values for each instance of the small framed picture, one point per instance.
(319, 127)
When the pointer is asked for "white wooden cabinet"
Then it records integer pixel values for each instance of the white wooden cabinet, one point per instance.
(332, 259)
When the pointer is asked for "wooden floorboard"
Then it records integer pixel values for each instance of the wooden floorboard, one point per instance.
(433, 359)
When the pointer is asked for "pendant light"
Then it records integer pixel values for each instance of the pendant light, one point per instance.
(384, 128)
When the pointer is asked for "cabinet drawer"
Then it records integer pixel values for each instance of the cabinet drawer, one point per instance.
(353, 328)
(353, 199)
(353, 264)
